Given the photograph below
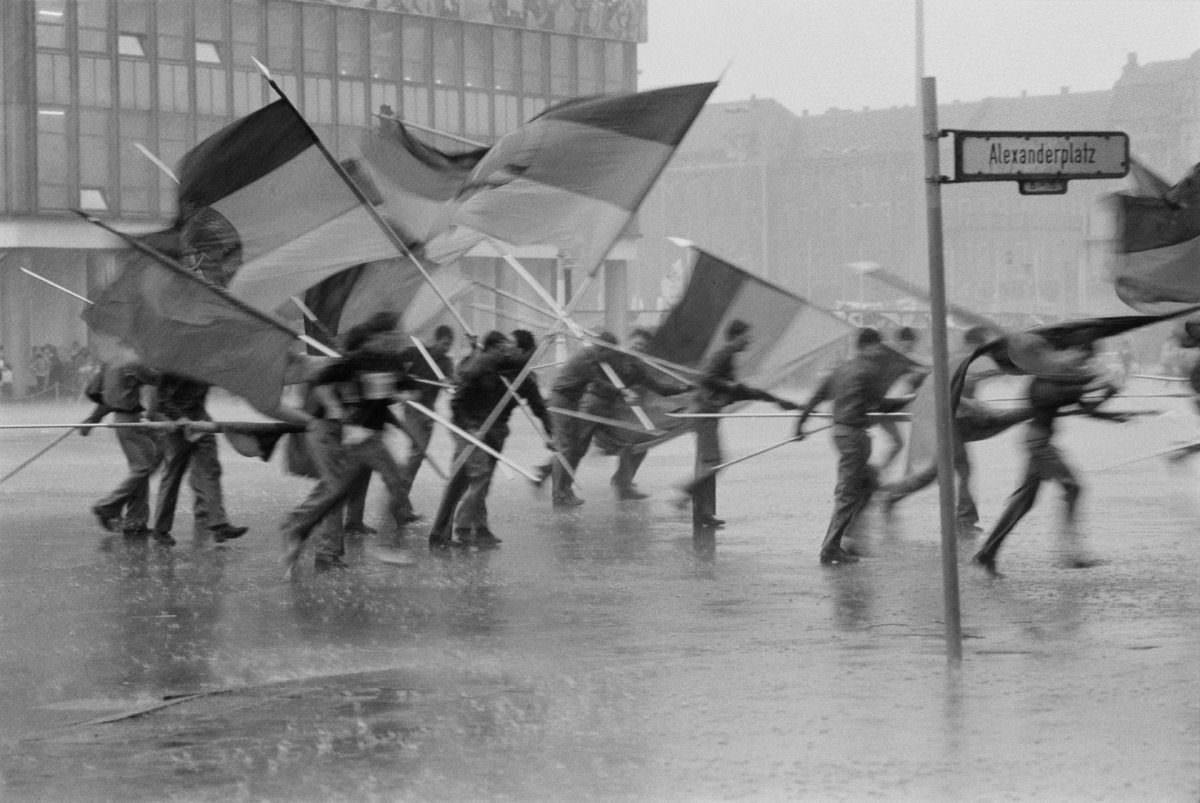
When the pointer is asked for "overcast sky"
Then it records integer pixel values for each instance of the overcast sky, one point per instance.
(814, 54)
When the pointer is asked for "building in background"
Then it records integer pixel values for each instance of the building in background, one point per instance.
(85, 81)
(796, 198)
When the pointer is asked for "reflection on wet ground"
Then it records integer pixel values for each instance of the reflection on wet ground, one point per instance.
(602, 653)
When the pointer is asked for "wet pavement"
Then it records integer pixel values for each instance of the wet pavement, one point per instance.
(605, 653)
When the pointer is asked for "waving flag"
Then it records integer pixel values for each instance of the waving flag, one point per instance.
(180, 324)
(793, 340)
(414, 179)
(1157, 268)
(573, 176)
(293, 217)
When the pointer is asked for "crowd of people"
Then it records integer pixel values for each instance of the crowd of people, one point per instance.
(53, 373)
(351, 400)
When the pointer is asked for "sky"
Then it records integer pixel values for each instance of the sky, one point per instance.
(817, 54)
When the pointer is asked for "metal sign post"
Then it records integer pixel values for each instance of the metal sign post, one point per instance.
(941, 370)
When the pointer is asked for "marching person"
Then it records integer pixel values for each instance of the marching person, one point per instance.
(566, 393)
(1070, 382)
(420, 427)
(353, 395)
(904, 343)
(190, 451)
(483, 381)
(968, 426)
(857, 388)
(604, 399)
(127, 507)
(718, 388)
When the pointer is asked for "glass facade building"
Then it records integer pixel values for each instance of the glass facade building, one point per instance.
(102, 97)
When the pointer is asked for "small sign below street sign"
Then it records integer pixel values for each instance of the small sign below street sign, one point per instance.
(1039, 155)
(1042, 186)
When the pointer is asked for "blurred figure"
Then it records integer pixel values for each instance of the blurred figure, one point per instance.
(127, 507)
(905, 343)
(566, 393)
(1072, 382)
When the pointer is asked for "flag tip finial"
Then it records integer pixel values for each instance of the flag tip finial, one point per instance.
(261, 68)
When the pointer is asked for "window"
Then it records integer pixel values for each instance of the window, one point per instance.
(211, 97)
(173, 138)
(248, 92)
(208, 52)
(560, 66)
(477, 123)
(93, 148)
(52, 158)
(173, 92)
(95, 82)
(92, 198)
(51, 24)
(385, 47)
(447, 54)
(281, 36)
(54, 78)
(351, 43)
(589, 54)
(133, 84)
(247, 28)
(93, 26)
(532, 107)
(415, 52)
(172, 30)
(129, 44)
(504, 59)
(138, 174)
(210, 20)
(318, 22)
(416, 105)
(533, 81)
(477, 54)
(352, 103)
(445, 110)
(506, 113)
(614, 68)
(318, 99)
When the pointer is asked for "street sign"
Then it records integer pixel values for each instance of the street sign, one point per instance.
(1039, 156)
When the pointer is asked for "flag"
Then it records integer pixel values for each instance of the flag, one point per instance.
(414, 179)
(793, 340)
(1157, 264)
(573, 176)
(281, 202)
(181, 325)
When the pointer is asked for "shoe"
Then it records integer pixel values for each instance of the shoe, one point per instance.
(161, 538)
(567, 501)
(543, 474)
(107, 520)
(227, 532)
(409, 518)
(329, 564)
(631, 493)
(438, 541)
(483, 539)
(136, 532)
(987, 561)
(359, 529)
(709, 521)
(837, 557)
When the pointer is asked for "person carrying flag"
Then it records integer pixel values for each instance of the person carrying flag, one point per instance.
(857, 388)
(718, 388)
(572, 435)
(1066, 381)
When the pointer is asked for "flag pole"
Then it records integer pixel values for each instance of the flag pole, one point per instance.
(436, 132)
(388, 231)
(56, 285)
